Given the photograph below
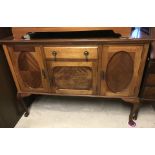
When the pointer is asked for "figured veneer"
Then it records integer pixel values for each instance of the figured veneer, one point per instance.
(73, 77)
(70, 77)
(122, 66)
(29, 70)
(119, 71)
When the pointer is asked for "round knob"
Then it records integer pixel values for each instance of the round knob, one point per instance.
(54, 53)
(86, 53)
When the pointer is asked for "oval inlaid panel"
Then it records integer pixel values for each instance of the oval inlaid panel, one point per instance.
(72, 77)
(29, 70)
(119, 71)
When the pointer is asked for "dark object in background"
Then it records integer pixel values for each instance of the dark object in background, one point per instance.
(145, 30)
(5, 32)
(147, 92)
(79, 34)
(11, 109)
(10, 112)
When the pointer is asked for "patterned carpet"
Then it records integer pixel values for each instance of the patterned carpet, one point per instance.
(83, 112)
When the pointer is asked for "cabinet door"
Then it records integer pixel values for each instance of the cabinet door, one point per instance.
(28, 68)
(72, 77)
(122, 66)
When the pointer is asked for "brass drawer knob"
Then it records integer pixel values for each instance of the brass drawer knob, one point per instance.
(86, 53)
(54, 53)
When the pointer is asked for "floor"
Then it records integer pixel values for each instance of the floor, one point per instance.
(83, 112)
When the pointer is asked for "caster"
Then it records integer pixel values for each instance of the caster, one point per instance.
(132, 123)
(26, 114)
(21, 100)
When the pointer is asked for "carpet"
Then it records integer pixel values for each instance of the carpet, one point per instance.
(83, 112)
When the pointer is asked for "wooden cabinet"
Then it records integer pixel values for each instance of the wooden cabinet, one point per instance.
(87, 67)
(74, 61)
(72, 70)
(27, 68)
(121, 69)
(112, 70)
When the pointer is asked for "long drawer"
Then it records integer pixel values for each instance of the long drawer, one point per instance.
(71, 52)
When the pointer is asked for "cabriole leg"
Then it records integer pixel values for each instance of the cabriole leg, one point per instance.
(134, 114)
(136, 103)
(20, 100)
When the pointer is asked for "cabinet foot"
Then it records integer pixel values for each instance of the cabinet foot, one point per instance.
(136, 103)
(26, 114)
(134, 114)
(20, 100)
(132, 123)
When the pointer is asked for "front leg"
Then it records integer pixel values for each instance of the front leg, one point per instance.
(134, 114)
(20, 99)
(136, 104)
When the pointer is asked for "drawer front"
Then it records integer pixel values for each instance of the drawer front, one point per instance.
(149, 93)
(150, 80)
(71, 52)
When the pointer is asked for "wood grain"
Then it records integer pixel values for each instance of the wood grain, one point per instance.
(135, 52)
(28, 70)
(11, 67)
(78, 76)
(75, 52)
(119, 71)
(72, 74)
(72, 77)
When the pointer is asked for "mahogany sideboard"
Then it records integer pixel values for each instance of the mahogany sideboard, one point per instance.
(95, 67)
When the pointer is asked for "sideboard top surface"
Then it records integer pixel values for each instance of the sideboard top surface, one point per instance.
(74, 40)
